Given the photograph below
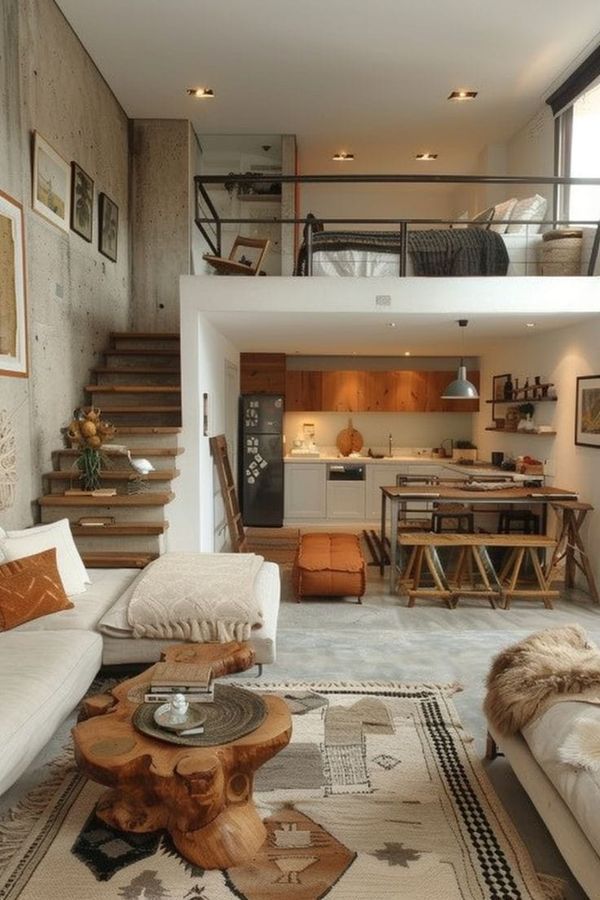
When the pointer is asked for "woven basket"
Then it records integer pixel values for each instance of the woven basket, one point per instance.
(561, 257)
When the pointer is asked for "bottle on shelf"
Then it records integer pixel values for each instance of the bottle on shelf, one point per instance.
(526, 389)
(508, 388)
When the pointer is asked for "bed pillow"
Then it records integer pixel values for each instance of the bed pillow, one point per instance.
(482, 219)
(503, 211)
(29, 588)
(527, 209)
(16, 544)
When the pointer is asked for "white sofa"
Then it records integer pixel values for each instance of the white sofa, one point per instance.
(48, 664)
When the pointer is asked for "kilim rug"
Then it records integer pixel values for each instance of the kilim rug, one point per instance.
(379, 796)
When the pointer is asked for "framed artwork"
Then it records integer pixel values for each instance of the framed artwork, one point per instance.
(498, 384)
(108, 227)
(13, 293)
(587, 411)
(51, 183)
(82, 202)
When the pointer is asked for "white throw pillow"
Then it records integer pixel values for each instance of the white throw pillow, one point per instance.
(73, 574)
(527, 209)
(503, 211)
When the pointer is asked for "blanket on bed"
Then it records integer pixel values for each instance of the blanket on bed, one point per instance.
(197, 597)
(437, 252)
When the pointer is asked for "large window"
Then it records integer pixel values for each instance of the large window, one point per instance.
(584, 156)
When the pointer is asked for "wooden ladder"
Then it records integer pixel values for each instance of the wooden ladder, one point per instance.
(237, 533)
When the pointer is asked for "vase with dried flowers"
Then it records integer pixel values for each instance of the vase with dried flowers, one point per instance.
(88, 432)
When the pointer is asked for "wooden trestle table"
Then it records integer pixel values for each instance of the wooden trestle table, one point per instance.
(399, 498)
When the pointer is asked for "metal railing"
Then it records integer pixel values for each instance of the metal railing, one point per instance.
(401, 224)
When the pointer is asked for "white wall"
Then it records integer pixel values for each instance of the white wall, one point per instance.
(372, 201)
(563, 354)
(204, 352)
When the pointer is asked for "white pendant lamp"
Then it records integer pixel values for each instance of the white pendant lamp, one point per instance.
(461, 388)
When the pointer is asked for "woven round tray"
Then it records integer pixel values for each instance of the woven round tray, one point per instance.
(233, 713)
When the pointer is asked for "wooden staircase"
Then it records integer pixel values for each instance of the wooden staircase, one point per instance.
(138, 389)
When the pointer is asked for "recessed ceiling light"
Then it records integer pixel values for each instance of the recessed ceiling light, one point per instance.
(343, 157)
(407, 352)
(529, 324)
(462, 95)
(392, 324)
(426, 157)
(205, 93)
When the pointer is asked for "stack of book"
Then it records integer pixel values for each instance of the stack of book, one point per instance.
(195, 682)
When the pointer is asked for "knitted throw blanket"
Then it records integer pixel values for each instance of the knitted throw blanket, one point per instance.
(197, 597)
(437, 252)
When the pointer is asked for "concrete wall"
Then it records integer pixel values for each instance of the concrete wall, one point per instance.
(48, 83)
(562, 355)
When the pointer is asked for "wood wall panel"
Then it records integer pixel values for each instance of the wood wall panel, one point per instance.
(262, 373)
(344, 391)
(303, 391)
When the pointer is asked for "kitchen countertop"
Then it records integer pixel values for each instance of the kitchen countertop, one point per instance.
(481, 467)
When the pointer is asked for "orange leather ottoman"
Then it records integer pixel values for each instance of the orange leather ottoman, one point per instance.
(329, 565)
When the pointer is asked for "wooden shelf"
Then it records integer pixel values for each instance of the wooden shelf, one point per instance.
(526, 433)
(525, 400)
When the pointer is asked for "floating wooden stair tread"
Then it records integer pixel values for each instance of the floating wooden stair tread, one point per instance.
(141, 351)
(147, 429)
(119, 529)
(135, 452)
(97, 559)
(147, 498)
(138, 410)
(136, 370)
(144, 336)
(133, 389)
(116, 475)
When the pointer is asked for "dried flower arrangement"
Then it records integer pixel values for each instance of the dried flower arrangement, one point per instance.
(88, 432)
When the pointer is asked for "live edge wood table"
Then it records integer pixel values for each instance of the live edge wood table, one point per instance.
(399, 497)
(201, 795)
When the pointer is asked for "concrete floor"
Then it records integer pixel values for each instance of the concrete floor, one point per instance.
(382, 640)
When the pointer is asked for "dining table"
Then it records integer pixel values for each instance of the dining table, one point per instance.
(399, 498)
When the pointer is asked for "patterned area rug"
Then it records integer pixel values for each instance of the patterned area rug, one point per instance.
(377, 796)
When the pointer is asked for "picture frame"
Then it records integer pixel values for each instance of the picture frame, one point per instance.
(498, 383)
(13, 289)
(108, 227)
(587, 411)
(51, 183)
(82, 202)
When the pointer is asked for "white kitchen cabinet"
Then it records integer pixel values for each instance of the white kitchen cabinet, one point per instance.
(380, 475)
(345, 500)
(305, 495)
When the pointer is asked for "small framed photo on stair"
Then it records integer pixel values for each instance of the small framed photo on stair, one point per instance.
(108, 227)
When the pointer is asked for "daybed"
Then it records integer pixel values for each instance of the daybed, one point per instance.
(48, 663)
(554, 698)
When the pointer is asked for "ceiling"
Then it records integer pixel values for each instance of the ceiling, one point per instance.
(369, 77)
(366, 334)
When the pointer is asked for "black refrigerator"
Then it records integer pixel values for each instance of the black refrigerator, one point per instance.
(261, 459)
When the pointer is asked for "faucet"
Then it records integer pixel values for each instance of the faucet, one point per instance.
(390, 445)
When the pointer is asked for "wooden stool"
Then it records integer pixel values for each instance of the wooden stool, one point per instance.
(454, 512)
(571, 515)
(527, 521)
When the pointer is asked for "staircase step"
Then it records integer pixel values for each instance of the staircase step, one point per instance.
(142, 351)
(107, 411)
(144, 336)
(115, 475)
(105, 560)
(133, 389)
(147, 498)
(147, 429)
(137, 370)
(140, 451)
(119, 529)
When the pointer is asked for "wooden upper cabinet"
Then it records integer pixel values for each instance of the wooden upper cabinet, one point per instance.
(262, 373)
(303, 391)
(374, 391)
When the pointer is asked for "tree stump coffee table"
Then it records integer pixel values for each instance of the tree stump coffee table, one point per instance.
(201, 795)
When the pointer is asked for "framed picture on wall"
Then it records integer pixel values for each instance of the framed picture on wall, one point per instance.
(108, 227)
(499, 383)
(82, 202)
(51, 183)
(587, 411)
(13, 292)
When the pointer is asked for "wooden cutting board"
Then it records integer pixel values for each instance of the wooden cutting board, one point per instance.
(349, 440)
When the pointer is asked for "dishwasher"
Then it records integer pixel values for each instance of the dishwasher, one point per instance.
(346, 491)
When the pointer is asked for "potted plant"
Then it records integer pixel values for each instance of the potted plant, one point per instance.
(526, 411)
(464, 451)
(87, 432)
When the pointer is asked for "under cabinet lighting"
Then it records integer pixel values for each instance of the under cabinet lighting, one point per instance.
(426, 157)
(462, 95)
(343, 157)
(204, 93)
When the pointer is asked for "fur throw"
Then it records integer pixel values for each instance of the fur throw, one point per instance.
(550, 665)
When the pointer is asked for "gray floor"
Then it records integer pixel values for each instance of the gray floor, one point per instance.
(382, 640)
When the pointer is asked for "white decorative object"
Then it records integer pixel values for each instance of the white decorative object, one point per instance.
(8, 461)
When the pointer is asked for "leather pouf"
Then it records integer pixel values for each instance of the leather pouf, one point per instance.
(329, 565)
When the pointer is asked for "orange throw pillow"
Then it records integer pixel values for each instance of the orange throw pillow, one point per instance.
(29, 588)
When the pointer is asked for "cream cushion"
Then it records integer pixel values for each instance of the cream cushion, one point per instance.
(526, 210)
(16, 544)
(43, 676)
